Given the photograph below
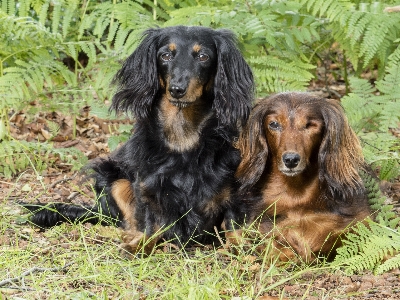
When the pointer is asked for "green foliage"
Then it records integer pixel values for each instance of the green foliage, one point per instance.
(16, 156)
(368, 248)
(63, 55)
(40, 40)
(273, 35)
(384, 212)
(363, 30)
(372, 111)
(370, 245)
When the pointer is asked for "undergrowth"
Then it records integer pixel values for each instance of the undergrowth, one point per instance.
(63, 55)
(75, 261)
(375, 245)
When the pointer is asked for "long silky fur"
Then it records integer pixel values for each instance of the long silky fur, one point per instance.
(340, 156)
(176, 182)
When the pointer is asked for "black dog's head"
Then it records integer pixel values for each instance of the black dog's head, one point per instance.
(186, 65)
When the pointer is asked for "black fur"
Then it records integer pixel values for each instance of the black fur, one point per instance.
(178, 182)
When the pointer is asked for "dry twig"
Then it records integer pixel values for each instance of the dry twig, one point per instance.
(392, 9)
(219, 238)
(30, 271)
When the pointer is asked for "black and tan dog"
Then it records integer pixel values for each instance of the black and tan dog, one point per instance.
(190, 91)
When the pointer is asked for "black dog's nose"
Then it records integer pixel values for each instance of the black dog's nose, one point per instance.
(177, 91)
(291, 160)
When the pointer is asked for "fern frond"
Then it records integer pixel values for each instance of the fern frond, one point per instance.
(16, 156)
(329, 8)
(373, 115)
(69, 12)
(390, 264)
(373, 38)
(367, 248)
(360, 104)
(275, 74)
(363, 30)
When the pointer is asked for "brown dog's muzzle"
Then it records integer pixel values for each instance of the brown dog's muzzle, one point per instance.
(291, 159)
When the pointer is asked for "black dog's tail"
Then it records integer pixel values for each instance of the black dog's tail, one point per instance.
(105, 211)
(56, 213)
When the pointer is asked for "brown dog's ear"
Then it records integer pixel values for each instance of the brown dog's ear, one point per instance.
(340, 154)
(253, 147)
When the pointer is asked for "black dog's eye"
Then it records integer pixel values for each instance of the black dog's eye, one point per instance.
(166, 56)
(274, 125)
(203, 57)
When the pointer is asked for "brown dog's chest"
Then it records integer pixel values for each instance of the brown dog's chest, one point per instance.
(292, 199)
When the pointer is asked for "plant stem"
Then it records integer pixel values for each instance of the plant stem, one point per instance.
(74, 126)
(154, 10)
(345, 75)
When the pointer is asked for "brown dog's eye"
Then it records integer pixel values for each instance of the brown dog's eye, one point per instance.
(166, 56)
(203, 57)
(311, 124)
(274, 125)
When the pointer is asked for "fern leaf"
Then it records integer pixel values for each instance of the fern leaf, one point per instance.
(373, 39)
(367, 248)
(43, 12)
(390, 168)
(390, 264)
(67, 18)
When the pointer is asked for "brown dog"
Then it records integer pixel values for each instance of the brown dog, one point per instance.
(299, 174)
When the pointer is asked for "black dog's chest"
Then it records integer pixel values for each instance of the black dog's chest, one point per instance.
(179, 190)
(182, 198)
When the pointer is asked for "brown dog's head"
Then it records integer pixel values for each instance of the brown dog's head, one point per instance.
(295, 132)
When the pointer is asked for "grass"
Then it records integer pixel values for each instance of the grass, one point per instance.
(96, 268)
(75, 261)
(83, 261)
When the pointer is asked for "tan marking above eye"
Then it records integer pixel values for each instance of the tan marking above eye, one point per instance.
(311, 124)
(172, 46)
(196, 48)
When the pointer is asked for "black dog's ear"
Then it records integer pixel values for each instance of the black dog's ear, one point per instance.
(340, 154)
(234, 84)
(137, 79)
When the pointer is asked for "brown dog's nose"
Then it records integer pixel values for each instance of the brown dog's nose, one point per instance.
(291, 160)
(177, 91)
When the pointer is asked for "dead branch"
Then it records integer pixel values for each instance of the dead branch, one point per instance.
(60, 181)
(33, 270)
(391, 9)
(219, 238)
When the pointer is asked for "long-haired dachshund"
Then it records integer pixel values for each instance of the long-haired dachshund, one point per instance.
(190, 91)
(299, 174)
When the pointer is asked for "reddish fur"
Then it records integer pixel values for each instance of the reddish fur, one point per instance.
(306, 212)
